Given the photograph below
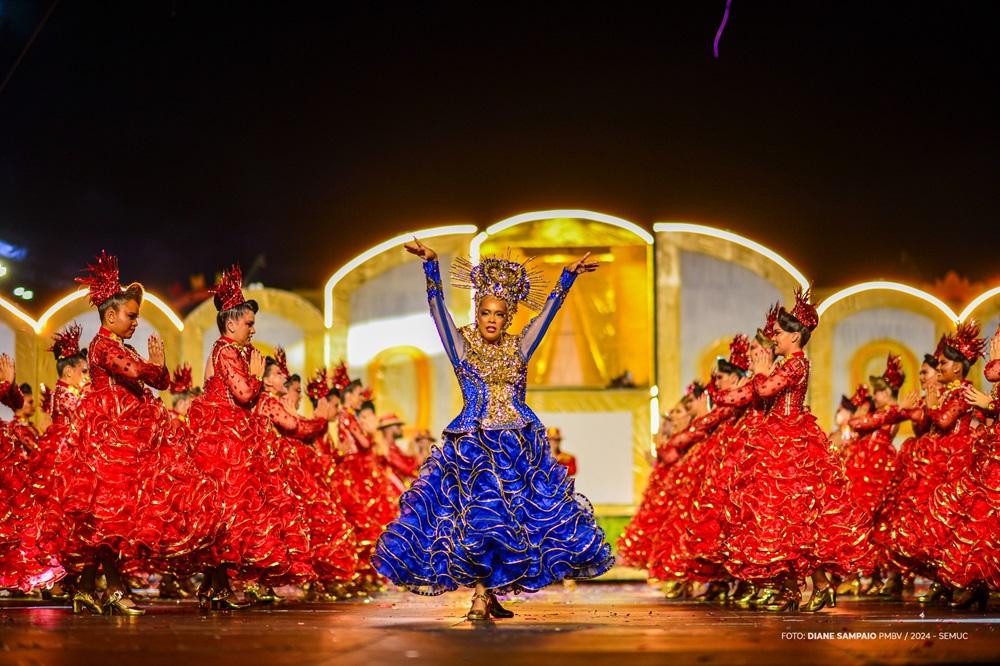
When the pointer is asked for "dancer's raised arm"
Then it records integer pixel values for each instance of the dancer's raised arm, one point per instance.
(453, 343)
(533, 333)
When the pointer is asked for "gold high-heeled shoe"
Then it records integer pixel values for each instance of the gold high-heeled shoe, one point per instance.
(936, 593)
(257, 593)
(496, 610)
(786, 600)
(681, 590)
(224, 599)
(821, 599)
(86, 600)
(745, 592)
(764, 596)
(115, 602)
(479, 615)
(716, 592)
(971, 596)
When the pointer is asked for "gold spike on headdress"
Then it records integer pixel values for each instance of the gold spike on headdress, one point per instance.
(501, 277)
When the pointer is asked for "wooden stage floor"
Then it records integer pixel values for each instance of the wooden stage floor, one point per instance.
(621, 624)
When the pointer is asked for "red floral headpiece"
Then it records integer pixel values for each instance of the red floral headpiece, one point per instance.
(694, 389)
(229, 290)
(804, 311)
(66, 343)
(893, 375)
(47, 396)
(340, 378)
(103, 281)
(181, 382)
(739, 350)
(966, 341)
(282, 359)
(765, 335)
(319, 385)
(366, 394)
(860, 396)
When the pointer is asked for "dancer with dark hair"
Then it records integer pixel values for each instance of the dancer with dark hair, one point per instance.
(492, 509)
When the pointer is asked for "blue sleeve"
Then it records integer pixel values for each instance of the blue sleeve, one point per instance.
(454, 345)
(533, 333)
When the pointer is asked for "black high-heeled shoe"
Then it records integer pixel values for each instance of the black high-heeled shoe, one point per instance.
(496, 610)
(978, 597)
(225, 599)
(744, 594)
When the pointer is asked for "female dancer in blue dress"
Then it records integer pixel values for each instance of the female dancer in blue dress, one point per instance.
(492, 509)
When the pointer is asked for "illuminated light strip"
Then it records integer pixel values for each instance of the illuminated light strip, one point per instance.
(979, 300)
(14, 310)
(888, 286)
(153, 299)
(684, 227)
(503, 225)
(344, 270)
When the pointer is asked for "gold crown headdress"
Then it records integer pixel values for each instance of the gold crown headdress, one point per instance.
(501, 277)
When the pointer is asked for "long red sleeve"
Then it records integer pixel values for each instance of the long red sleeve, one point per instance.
(952, 407)
(235, 372)
(787, 374)
(873, 421)
(288, 424)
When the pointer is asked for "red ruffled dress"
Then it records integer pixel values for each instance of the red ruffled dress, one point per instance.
(635, 545)
(966, 510)
(117, 478)
(687, 544)
(26, 434)
(332, 550)
(367, 493)
(264, 534)
(906, 528)
(791, 510)
(24, 560)
(870, 462)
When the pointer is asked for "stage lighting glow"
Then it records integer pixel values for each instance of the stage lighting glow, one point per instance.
(979, 300)
(367, 340)
(888, 286)
(152, 299)
(13, 309)
(3, 270)
(27, 294)
(684, 227)
(344, 270)
(18, 291)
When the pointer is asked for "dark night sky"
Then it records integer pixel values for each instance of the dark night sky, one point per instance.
(186, 135)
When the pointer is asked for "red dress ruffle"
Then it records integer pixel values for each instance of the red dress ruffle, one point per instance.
(332, 550)
(367, 493)
(114, 476)
(635, 545)
(264, 532)
(966, 511)
(790, 506)
(688, 542)
(24, 561)
(907, 530)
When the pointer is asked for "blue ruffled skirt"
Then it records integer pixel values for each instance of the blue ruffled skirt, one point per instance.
(492, 506)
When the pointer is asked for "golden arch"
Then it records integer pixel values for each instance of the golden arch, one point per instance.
(370, 263)
(983, 306)
(422, 375)
(673, 238)
(853, 300)
(285, 304)
(75, 305)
